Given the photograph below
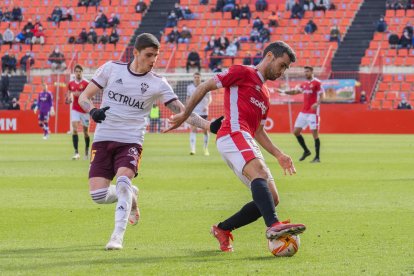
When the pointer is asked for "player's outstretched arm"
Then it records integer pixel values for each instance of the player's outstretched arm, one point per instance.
(199, 93)
(195, 120)
(97, 114)
(289, 91)
(86, 96)
(284, 160)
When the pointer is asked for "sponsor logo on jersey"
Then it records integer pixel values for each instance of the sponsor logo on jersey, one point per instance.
(119, 81)
(259, 104)
(144, 87)
(126, 100)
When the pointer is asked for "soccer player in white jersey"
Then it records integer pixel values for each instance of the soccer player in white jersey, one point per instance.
(202, 110)
(129, 90)
(246, 105)
(312, 91)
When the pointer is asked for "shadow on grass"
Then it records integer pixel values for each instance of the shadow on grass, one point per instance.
(54, 257)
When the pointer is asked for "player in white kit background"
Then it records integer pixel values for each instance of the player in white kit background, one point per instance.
(246, 106)
(202, 110)
(312, 91)
(129, 91)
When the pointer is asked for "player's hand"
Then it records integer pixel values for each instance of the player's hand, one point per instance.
(216, 124)
(176, 121)
(98, 114)
(286, 163)
(35, 111)
(68, 100)
(315, 106)
(52, 113)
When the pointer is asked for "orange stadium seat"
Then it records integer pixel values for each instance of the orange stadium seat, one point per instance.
(387, 105)
(376, 104)
(380, 95)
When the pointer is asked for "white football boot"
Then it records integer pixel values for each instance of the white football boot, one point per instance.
(76, 156)
(115, 243)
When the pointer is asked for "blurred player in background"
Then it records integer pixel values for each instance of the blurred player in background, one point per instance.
(129, 91)
(45, 108)
(77, 114)
(246, 105)
(202, 110)
(309, 116)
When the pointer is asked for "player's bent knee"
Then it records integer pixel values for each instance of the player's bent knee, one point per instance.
(99, 196)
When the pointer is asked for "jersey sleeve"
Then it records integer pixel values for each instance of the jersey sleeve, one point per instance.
(102, 75)
(166, 92)
(319, 89)
(50, 99)
(231, 77)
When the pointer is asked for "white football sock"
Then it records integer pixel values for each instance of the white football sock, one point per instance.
(123, 207)
(206, 136)
(193, 139)
(104, 195)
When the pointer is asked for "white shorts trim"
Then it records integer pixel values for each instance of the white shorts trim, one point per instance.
(307, 119)
(76, 116)
(237, 149)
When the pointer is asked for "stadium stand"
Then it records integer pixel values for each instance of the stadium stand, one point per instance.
(397, 20)
(392, 89)
(311, 49)
(58, 35)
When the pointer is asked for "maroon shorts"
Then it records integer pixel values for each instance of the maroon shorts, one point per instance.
(107, 157)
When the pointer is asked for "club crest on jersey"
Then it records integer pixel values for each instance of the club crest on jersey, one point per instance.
(133, 152)
(257, 88)
(144, 87)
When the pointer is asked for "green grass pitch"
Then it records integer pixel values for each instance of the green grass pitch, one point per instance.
(358, 205)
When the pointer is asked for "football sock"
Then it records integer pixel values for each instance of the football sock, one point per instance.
(206, 136)
(46, 128)
(247, 214)
(193, 137)
(87, 141)
(41, 125)
(317, 147)
(302, 143)
(123, 207)
(75, 140)
(104, 195)
(264, 200)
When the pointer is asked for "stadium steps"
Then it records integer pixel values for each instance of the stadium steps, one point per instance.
(155, 19)
(16, 84)
(353, 46)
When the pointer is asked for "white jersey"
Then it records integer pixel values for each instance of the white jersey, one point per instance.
(130, 97)
(202, 107)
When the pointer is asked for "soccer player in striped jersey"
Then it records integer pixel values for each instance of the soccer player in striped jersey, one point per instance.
(309, 116)
(129, 91)
(246, 105)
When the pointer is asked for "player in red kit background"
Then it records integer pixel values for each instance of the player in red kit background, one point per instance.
(77, 114)
(309, 116)
(246, 105)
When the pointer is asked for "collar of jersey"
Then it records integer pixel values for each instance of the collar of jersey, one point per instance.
(260, 75)
(135, 74)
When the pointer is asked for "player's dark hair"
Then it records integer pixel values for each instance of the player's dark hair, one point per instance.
(279, 48)
(309, 68)
(77, 66)
(146, 40)
(197, 74)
